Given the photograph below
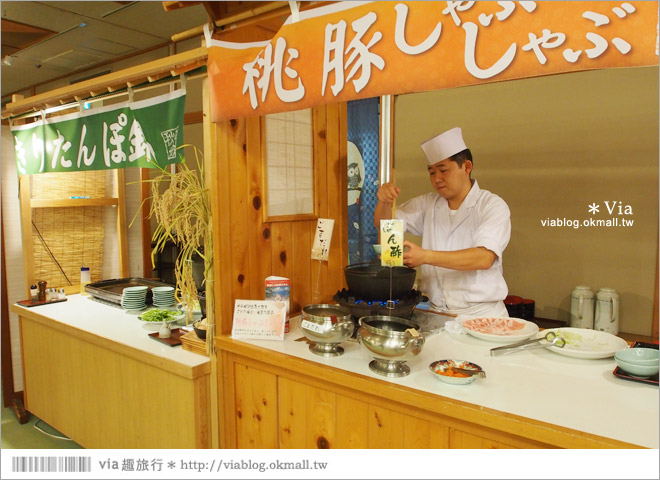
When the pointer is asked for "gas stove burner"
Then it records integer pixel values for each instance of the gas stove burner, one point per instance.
(403, 307)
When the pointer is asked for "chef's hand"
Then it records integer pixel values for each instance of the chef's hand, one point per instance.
(388, 192)
(413, 255)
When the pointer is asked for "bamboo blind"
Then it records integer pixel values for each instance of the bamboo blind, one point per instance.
(65, 238)
(62, 185)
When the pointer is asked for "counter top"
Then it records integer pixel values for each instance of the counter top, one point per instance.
(537, 384)
(114, 328)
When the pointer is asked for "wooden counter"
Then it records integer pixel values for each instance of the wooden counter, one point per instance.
(91, 371)
(279, 395)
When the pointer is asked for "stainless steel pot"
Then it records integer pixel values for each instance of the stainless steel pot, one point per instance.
(327, 326)
(392, 341)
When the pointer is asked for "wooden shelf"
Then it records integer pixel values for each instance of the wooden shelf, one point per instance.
(73, 202)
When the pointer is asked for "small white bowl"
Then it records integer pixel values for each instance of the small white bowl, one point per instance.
(637, 370)
(639, 355)
(441, 365)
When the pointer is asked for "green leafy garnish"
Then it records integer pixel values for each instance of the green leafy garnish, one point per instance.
(157, 315)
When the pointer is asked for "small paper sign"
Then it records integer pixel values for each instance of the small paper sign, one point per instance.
(278, 289)
(314, 327)
(259, 319)
(321, 246)
(391, 243)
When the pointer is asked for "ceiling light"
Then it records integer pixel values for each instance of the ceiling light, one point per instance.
(8, 60)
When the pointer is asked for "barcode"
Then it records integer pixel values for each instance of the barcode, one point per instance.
(51, 464)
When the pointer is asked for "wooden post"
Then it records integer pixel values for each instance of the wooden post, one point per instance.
(122, 233)
(210, 175)
(655, 330)
(145, 195)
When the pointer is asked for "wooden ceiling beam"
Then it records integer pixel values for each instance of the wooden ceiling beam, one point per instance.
(169, 6)
(215, 10)
(100, 84)
(256, 13)
(248, 17)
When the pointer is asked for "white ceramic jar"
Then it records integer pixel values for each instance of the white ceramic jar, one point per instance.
(607, 311)
(582, 307)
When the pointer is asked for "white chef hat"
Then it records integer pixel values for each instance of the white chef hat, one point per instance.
(444, 145)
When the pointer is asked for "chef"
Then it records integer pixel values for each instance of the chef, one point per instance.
(464, 232)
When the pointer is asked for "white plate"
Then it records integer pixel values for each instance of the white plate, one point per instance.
(587, 343)
(530, 329)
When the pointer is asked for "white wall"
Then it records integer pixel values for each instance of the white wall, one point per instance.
(11, 219)
(551, 146)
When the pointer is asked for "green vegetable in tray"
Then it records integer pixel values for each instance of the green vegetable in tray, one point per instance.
(157, 315)
(569, 338)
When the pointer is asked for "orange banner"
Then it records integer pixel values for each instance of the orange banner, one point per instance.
(351, 50)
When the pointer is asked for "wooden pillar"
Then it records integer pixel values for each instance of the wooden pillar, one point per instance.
(145, 202)
(213, 298)
(655, 331)
(122, 229)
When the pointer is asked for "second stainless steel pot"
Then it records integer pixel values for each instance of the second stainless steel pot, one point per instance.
(391, 341)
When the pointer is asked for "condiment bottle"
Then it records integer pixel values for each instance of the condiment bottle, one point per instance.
(41, 294)
(85, 278)
(165, 331)
(33, 293)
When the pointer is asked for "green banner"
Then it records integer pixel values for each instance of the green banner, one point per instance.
(142, 134)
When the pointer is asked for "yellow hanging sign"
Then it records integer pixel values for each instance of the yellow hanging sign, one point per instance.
(391, 243)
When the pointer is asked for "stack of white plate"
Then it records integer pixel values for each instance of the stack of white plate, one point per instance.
(163, 297)
(134, 298)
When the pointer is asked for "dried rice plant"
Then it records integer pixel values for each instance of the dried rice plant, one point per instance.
(183, 215)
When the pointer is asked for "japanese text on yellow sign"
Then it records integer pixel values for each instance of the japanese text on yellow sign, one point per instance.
(391, 243)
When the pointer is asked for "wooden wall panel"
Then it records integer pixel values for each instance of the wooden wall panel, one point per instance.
(217, 158)
(385, 428)
(87, 392)
(307, 416)
(301, 265)
(246, 248)
(352, 423)
(460, 439)
(293, 413)
(438, 435)
(237, 255)
(256, 408)
(416, 432)
(321, 423)
(282, 250)
(260, 234)
(321, 186)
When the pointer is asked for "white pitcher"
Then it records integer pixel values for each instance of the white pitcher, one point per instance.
(607, 311)
(582, 308)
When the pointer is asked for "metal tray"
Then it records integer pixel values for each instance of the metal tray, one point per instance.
(110, 291)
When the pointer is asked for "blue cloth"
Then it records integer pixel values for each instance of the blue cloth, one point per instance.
(363, 131)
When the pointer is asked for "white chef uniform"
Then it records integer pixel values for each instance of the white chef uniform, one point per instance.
(482, 220)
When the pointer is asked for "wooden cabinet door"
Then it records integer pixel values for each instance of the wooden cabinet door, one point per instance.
(255, 413)
(460, 439)
(311, 417)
